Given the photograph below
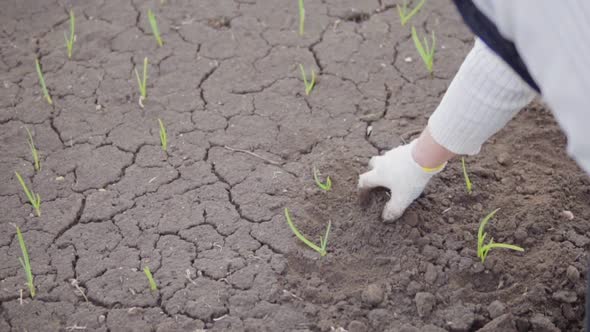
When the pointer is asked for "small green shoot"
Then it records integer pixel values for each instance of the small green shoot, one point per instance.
(404, 15)
(70, 41)
(148, 274)
(142, 82)
(484, 249)
(42, 82)
(34, 151)
(34, 199)
(308, 85)
(327, 186)
(323, 240)
(25, 262)
(426, 51)
(163, 136)
(154, 24)
(468, 183)
(301, 18)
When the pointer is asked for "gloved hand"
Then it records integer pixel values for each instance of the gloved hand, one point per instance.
(397, 171)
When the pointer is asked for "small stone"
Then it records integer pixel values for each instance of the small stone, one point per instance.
(432, 328)
(413, 288)
(369, 130)
(357, 326)
(373, 295)
(520, 234)
(567, 215)
(408, 59)
(411, 218)
(460, 317)
(59, 178)
(477, 207)
(408, 328)
(478, 267)
(101, 319)
(98, 107)
(102, 190)
(503, 158)
(430, 275)
(378, 318)
(565, 296)
(577, 239)
(572, 274)
(425, 302)
(430, 252)
(504, 323)
(496, 309)
(540, 322)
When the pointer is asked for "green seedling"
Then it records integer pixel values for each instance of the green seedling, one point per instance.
(70, 41)
(150, 278)
(323, 240)
(308, 85)
(154, 24)
(34, 199)
(142, 81)
(484, 249)
(163, 136)
(324, 186)
(42, 82)
(426, 51)
(25, 262)
(468, 183)
(301, 18)
(406, 15)
(34, 151)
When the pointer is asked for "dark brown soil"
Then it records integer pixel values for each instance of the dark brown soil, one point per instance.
(207, 218)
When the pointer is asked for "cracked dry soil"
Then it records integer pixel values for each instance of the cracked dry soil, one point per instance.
(208, 221)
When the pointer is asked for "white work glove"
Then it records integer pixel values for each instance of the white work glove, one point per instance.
(397, 171)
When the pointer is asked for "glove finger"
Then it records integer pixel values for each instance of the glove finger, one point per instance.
(369, 180)
(393, 209)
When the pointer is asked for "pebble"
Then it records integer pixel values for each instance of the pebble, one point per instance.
(503, 158)
(411, 218)
(504, 323)
(373, 295)
(357, 326)
(431, 274)
(572, 274)
(432, 328)
(378, 318)
(408, 59)
(542, 323)
(567, 215)
(477, 207)
(408, 328)
(496, 309)
(425, 302)
(478, 267)
(520, 234)
(413, 288)
(565, 296)
(577, 239)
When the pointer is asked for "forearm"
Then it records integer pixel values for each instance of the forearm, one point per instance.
(484, 95)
